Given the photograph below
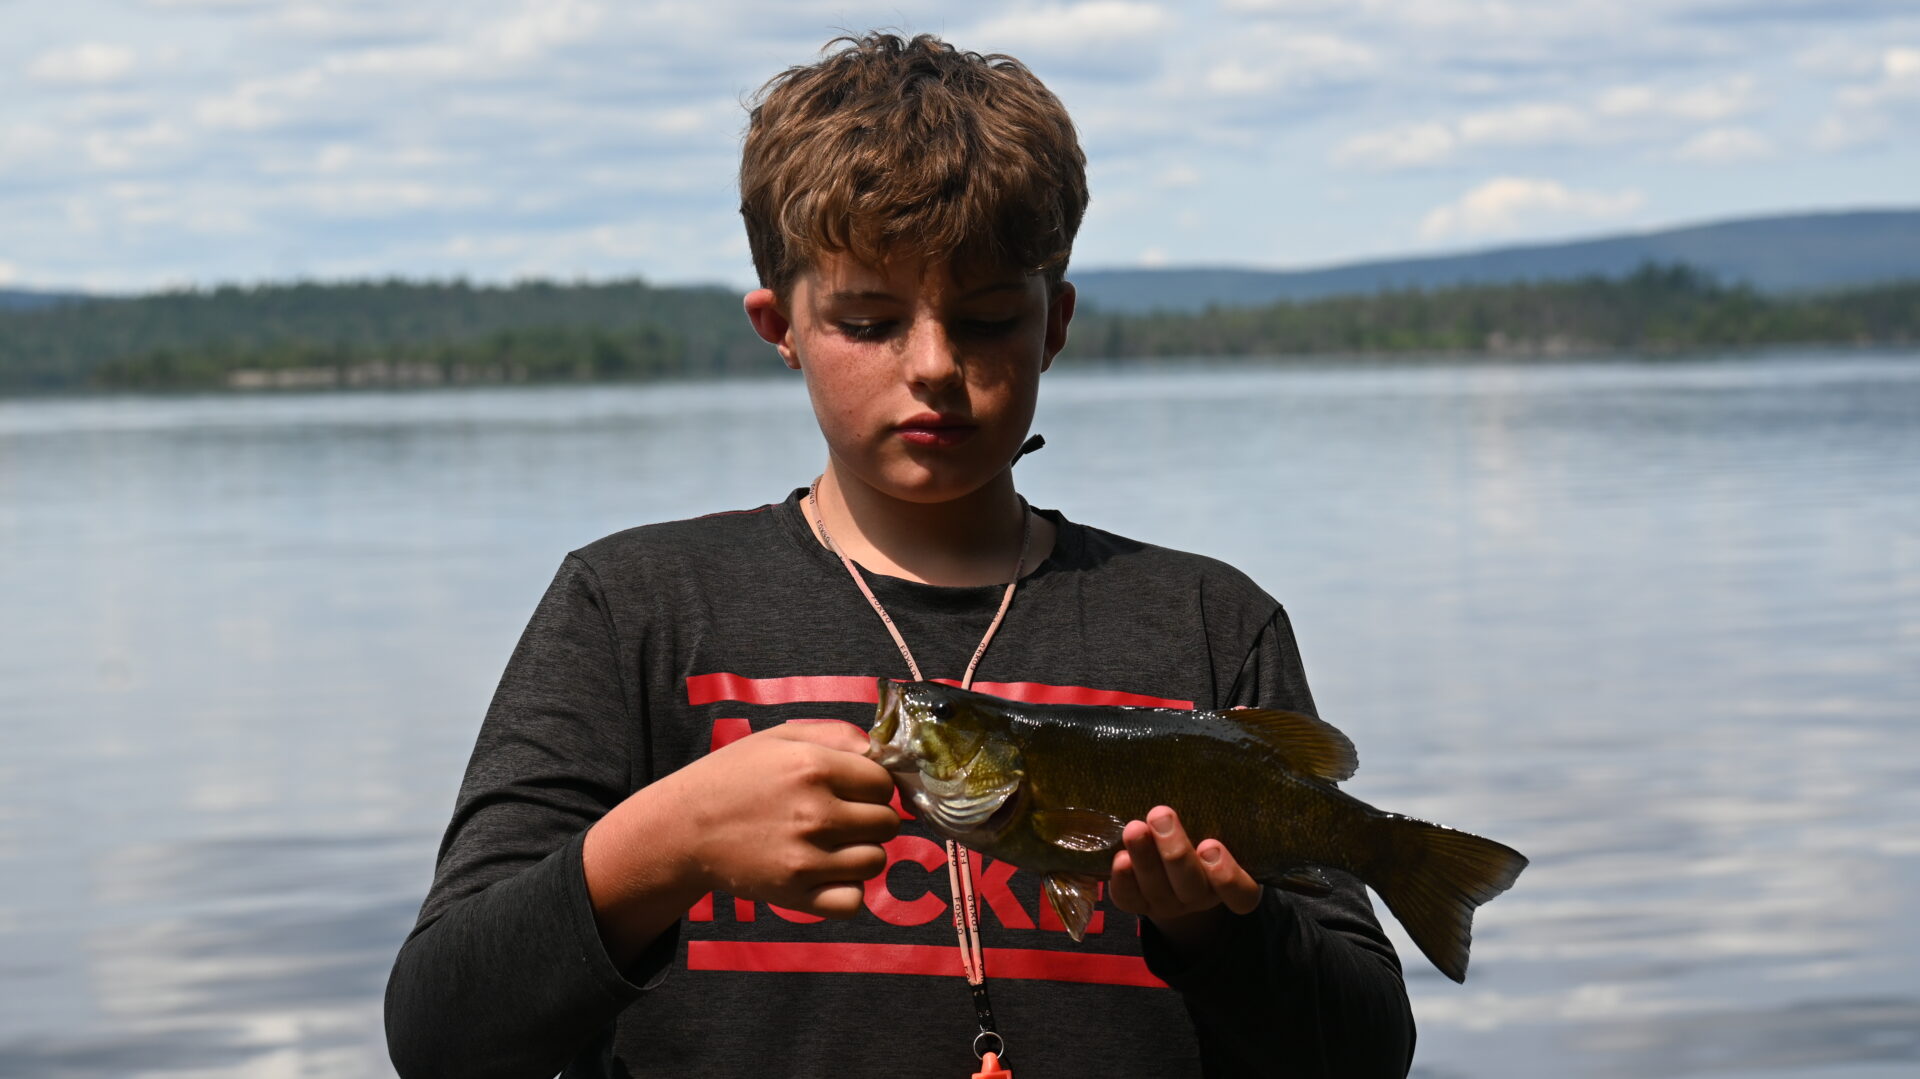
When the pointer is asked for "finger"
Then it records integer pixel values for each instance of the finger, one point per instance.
(832, 733)
(856, 822)
(848, 773)
(840, 900)
(1235, 887)
(1186, 877)
(1123, 885)
(847, 864)
(858, 779)
(1148, 872)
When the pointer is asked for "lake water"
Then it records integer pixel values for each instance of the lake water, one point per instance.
(1655, 624)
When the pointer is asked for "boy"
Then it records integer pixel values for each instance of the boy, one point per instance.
(649, 872)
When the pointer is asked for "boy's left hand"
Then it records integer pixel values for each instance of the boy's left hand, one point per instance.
(1162, 875)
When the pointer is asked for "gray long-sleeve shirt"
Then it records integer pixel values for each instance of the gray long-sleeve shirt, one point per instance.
(656, 645)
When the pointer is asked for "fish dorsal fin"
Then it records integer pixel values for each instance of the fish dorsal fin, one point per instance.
(1307, 743)
(1079, 829)
(1073, 897)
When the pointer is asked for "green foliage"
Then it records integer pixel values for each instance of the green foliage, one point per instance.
(410, 333)
(1656, 309)
(534, 331)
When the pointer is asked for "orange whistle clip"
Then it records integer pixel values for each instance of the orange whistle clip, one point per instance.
(990, 1068)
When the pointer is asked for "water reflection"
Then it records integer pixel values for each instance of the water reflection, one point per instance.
(1657, 625)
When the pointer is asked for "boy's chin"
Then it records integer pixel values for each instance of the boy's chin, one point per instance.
(932, 487)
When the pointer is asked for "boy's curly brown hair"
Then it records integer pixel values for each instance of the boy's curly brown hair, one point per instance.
(891, 146)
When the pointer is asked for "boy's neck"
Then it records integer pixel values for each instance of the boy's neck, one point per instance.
(969, 541)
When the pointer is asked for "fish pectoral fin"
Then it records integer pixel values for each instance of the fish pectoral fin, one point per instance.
(1072, 897)
(1079, 829)
(1307, 743)
(1305, 880)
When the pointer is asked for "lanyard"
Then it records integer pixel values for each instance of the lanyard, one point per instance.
(966, 909)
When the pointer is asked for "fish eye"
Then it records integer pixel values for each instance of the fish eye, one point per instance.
(943, 710)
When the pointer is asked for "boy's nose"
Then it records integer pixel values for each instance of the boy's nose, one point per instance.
(931, 355)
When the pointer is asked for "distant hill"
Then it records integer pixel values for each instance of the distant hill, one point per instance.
(21, 300)
(1788, 254)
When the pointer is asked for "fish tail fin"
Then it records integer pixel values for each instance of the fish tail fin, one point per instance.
(1432, 877)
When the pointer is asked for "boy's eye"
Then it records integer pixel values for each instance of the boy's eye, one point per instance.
(866, 331)
(982, 327)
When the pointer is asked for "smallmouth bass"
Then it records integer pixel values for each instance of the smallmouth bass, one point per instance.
(1049, 788)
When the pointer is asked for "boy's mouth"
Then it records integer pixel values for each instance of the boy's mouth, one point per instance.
(934, 429)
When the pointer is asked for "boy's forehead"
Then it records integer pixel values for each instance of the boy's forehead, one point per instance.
(840, 276)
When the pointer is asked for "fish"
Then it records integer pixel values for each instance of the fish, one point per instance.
(1048, 788)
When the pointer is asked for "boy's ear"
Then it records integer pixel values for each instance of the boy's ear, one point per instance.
(770, 321)
(1059, 313)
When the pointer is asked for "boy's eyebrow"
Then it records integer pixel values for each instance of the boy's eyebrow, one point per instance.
(849, 295)
(999, 286)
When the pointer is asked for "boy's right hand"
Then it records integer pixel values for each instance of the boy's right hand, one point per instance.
(794, 815)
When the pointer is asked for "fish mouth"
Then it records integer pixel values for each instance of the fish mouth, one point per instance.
(889, 730)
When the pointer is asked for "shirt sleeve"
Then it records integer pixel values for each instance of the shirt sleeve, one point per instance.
(1311, 982)
(505, 973)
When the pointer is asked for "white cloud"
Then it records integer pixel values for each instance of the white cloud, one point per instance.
(1268, 58)
(1152, 256)
(1848, 128)
(486, 49)
(538, 27)
(1233, 77)
(1866, 112)
(1725, 145)
(339, 158)
(92, 62)
(380, 198)
(1279, 7)
(1399, 148)
(1899, 71)
(1177, 177)
(22, 144)
(1632, 113)
(1901, 62)
(258, 103)
(1838, 59)
(1068, 27)
(208, 5)
(120, 149)
(1525, 125)
(9, 273)
(1507, 205)
(1714, 101)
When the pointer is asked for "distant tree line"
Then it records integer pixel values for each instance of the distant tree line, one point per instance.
(533, 331)
(390, 333)
(1655, 309)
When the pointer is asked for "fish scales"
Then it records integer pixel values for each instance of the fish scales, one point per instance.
(1128, 760)
(1050, 788)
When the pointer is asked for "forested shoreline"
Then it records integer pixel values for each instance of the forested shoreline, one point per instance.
(400, 333)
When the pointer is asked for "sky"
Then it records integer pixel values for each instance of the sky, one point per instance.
(166, 143)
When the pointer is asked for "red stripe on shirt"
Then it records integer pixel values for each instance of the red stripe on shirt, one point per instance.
(857, 689)
(794, 957)
(708, 688)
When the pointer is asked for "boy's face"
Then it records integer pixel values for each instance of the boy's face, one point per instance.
(924, 385)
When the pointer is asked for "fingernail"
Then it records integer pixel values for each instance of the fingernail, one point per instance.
(1210, 855)
(1162, 825)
